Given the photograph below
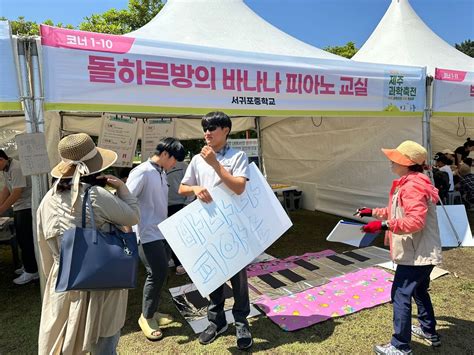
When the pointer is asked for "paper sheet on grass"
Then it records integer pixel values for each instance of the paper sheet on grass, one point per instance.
(215, 241)
(350, 233)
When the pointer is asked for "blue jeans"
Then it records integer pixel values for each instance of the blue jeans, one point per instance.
(106, 345)
(411, 281)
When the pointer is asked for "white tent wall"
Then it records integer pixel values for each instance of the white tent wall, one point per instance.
(336, 162)
(450, 132)
(186, 127)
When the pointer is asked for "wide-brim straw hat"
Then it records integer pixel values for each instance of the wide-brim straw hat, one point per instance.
(80, 147)
(407, 153)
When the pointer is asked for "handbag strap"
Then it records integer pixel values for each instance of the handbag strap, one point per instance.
(87, 201)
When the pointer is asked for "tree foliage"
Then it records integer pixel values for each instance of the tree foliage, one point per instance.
(113, 21)
(467, 47)
(30, 28)
(347, 51)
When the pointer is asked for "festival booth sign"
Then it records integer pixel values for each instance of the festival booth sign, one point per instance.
(453, 93)
(125, 74)
(9, 88)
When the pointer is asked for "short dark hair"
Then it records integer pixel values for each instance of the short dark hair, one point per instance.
(3, 155)
(172, 146)
(468, 143)
(218, 119)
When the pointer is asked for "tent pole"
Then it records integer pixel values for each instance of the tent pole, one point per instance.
(260, 153)
(427, 143)
(28, 59)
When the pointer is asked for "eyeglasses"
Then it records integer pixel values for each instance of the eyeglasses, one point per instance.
(210, 128)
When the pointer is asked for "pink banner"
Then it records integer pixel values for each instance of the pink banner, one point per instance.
(65, 38)
(450, 75)
(344, 295)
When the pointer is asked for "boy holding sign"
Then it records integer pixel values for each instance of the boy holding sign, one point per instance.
(218, 163)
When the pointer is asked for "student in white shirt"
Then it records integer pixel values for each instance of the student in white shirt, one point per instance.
(148, 183)
(218, 163)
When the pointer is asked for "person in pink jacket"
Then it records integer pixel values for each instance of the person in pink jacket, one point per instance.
(412, 233)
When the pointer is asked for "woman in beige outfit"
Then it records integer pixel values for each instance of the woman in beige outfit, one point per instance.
(75, 322)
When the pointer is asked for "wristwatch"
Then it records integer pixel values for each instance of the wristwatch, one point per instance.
(385, 226)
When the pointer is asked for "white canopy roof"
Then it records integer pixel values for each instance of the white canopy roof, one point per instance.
(402, 38)
(227, 24)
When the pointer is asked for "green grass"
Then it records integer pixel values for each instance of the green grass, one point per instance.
(452, 296)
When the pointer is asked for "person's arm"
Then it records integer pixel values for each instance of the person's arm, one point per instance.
(4, 194)
(11, 199)
(415, 207)
(122, 210)
(234, 183)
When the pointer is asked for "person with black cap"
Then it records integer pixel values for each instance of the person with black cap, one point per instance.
(443, 163)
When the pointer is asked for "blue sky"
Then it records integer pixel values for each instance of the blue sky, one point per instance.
(318, 22)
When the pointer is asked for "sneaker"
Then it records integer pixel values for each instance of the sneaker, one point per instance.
(170, 263)
(389, 349)
(180, 270)
(244, 338)
(20, 270)
(25, 278)
(433, 340)
(211, 333)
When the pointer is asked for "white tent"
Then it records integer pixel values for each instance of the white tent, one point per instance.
(228, 24)
(401, 37)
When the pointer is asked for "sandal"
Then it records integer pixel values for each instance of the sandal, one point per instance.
(163, 318)
(150, 328)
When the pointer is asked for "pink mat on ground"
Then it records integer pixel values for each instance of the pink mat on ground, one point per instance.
(344, 295)
(275, 265)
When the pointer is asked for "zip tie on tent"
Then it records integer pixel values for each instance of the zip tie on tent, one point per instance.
(320, 121)
(463, 124)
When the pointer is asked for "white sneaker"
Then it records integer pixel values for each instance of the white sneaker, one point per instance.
(20, 270)
(25, 278)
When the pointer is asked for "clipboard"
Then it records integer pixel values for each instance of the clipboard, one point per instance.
(350, 233)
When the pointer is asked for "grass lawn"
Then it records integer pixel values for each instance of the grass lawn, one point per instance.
(452, 295)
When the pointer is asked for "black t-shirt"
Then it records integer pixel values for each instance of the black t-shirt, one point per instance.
(462, 151)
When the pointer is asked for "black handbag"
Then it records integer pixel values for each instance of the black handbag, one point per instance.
(91, 259)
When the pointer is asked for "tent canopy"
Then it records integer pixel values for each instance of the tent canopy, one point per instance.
(228, 24)
(402, 38)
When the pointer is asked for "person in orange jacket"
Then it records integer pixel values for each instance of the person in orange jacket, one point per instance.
(411, 226)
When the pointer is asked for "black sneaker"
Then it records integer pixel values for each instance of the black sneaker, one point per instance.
(433, 340)
(211, 333)
(244, 338)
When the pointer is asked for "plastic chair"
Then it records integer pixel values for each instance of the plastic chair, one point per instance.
(453, 196)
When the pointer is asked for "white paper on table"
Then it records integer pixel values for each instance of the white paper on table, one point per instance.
(215, 241)
(350, 233)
